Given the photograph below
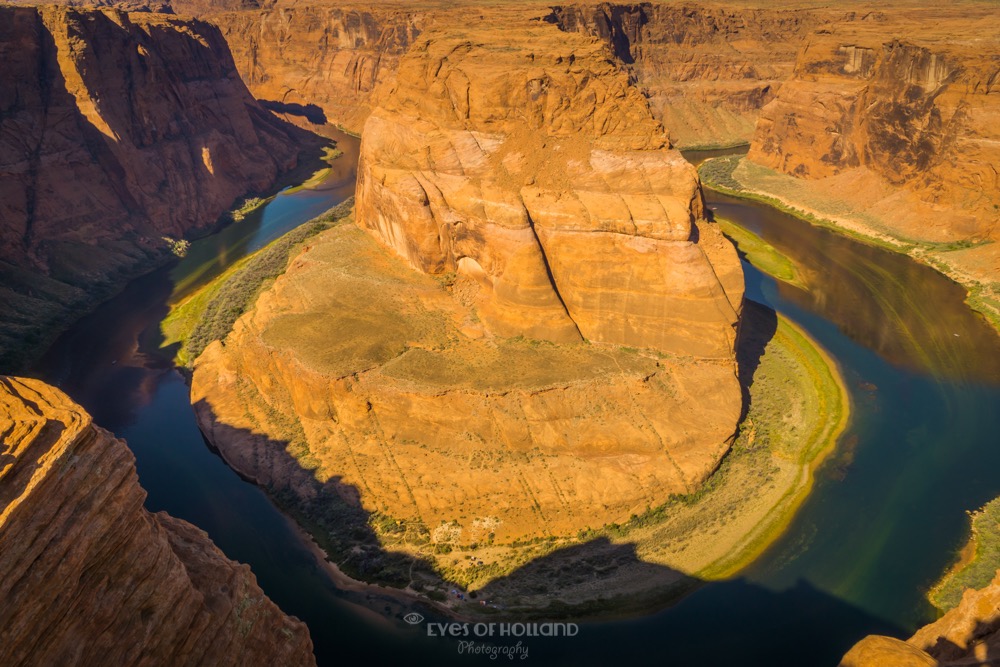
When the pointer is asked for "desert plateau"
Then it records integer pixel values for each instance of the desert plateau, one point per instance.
(450, 333)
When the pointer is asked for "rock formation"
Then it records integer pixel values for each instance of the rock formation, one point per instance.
(969, 634)
(89, 577)
(897, 100)
(116, 130)
(329, 56)
(706, 69)
(527, 162)
(537, 362)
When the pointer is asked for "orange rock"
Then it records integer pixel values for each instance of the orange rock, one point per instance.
(89, 577)
(521, 343)
(524, 159)
(969, 634)
(907, 98)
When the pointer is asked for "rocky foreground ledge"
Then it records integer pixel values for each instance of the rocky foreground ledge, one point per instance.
(89, 577)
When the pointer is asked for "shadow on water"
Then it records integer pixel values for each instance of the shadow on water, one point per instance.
(854, 561)
(717, 624)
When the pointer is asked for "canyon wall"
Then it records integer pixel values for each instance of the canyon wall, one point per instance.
(969, 634)
(706, 69)
(909, 100)
(116, 130)
(89, 577)
(317, 56)
(515, 339)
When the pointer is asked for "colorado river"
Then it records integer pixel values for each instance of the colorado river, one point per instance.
(886, 515)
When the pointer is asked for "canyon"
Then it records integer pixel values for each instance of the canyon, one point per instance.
(89, 577)
(526, 311)
(527, 330)
(120, 134)
(706, 68)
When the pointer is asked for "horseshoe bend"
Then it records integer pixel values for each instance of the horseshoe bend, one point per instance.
(446, 316)
(523, 334)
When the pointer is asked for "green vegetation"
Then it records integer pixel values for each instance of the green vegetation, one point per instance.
(978, 562)
(330, 153)
(209, 313)
(248, 206)
(762, 254)
(717, 174)
(178, 247)
(798, 409)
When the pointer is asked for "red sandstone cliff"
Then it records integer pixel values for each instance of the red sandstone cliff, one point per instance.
(89, 577)
(910, 100)
(115, 130)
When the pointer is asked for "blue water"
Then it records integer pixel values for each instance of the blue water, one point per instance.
(880, 525)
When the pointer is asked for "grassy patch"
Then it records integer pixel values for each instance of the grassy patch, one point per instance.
(978, 562)
(210, 313)
(762, 254)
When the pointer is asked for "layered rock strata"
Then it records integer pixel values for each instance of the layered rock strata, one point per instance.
(520, 344)
(116, 130)
(706, 69)
(897, 116)
(89, 577)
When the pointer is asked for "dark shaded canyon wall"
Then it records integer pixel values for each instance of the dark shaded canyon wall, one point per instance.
(89, 577)
(115, 130)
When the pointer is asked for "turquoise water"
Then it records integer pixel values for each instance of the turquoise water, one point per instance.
(886, 516)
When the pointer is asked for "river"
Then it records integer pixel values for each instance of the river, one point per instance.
(886, 516)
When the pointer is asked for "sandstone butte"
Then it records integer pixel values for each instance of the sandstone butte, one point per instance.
(969, 634)
(115, 130)
(536, 333)
(89, 577)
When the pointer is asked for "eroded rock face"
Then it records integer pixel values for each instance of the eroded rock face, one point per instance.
(524, 159)
(115, 130)
(901, 99)
(969, 634)
(707, 70)
(518, 341)
(318, 56)
(89, 577)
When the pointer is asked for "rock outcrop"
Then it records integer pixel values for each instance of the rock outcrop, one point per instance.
(520, 344)
(322, 56)
(706, 69)
(89, 577)
(116, 130)
(969, 634)
(525, 160)
(908, 100)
